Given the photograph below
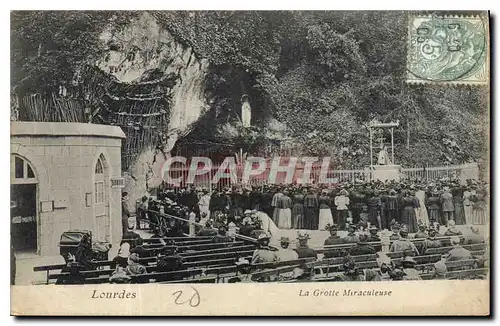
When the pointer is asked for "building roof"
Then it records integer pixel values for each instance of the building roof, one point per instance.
(18, 128)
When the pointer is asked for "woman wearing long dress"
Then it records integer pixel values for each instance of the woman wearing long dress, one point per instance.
(458, 204)
(283, 207)
(421, 211)
(392, 208)
(408, 216)
(298, 211)
(325, 213)
(478, 210)
(274, 204)
(311, 211)
(468, 205)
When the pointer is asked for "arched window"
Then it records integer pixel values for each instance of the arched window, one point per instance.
(99, 182)
(98, 167)
(22, 170)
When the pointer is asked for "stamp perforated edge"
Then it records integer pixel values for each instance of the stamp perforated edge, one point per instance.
(412, 79)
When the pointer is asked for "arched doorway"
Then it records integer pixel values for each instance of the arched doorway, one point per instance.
(101, 200)
(23, 205)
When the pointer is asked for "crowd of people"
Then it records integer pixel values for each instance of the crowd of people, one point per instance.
(314, 207)
(364, 231)
(406, 210)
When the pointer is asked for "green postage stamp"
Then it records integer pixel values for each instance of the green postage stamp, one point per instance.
(448, 49)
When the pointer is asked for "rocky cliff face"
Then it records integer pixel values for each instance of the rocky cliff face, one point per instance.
(136, 50)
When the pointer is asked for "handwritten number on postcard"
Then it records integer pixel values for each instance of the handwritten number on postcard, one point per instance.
(193, 298)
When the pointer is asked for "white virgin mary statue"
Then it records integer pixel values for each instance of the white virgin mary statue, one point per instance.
(383, 157)
(246, 111)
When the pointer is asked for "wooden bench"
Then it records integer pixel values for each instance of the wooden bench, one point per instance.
(461, 274)
(217, 259)
(59, 267)
(337, 250)
(220, 250)
(451, 266)
(276, 264)
(468, 273)
(274, 272)
(177, 244)
(177, 239)
(443, 250)
(199, 247)
(230, 254)
(206, 279)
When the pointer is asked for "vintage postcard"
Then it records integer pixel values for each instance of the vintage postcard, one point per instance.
(250, 163)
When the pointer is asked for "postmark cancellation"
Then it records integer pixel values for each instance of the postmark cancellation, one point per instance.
(448, 49)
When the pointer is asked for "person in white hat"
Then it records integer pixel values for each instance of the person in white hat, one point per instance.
(263, 254)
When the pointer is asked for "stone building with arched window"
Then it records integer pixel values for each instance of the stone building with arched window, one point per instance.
(64, 176)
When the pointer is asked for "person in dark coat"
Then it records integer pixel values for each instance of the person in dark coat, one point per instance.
(395, 231)
(433, 207)
(266, 198)
(373, 237)
(142, 212)
(374, 206)
(125, 213)
(311, 217)
(254, 199)
(350, 271)
(458, 203)
(447, 207)
(238, 203)
(421, 232)
(189, 198)
(333, 239)
(303, 250)
(139, 249)
(431, 241)
(222, 235)
(83, 254)
(216, 204)
(172, 261)
(362, 247)
(392, 209)
(358, 203)
(351, 236)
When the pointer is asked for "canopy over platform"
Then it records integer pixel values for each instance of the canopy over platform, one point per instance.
(376, 124)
